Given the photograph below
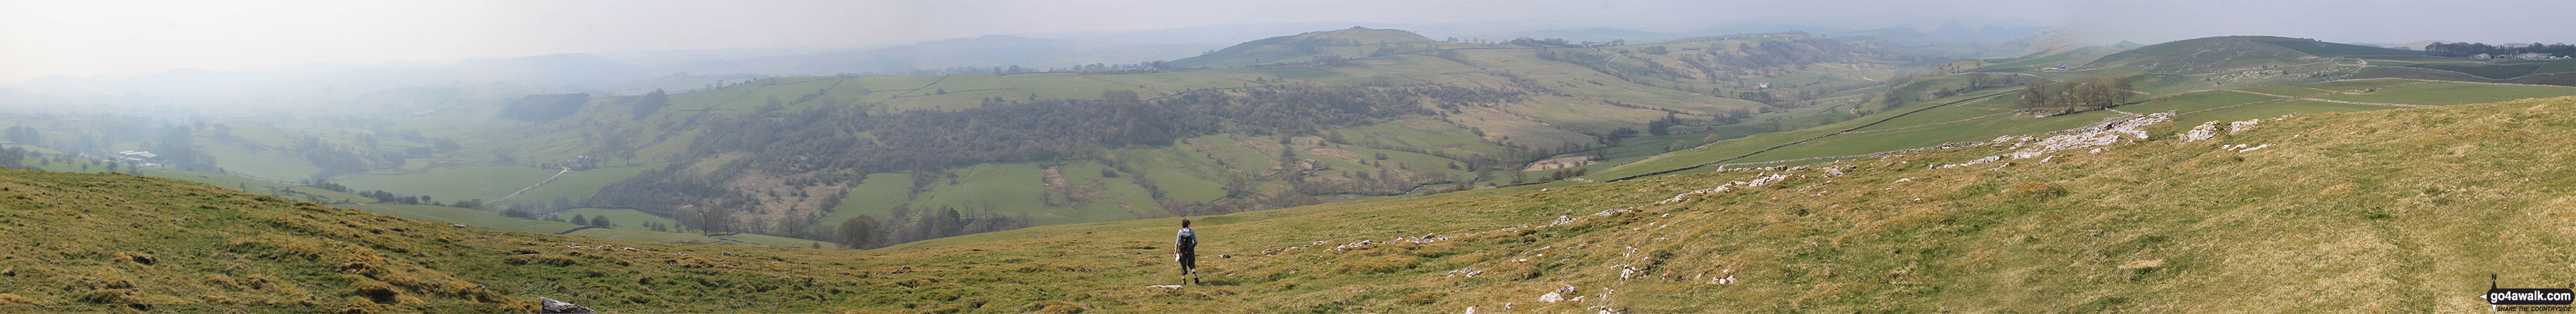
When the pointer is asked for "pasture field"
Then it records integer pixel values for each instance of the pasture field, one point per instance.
(2448, 93)
(453, 184)
(2355, 85)
(578, 185)
(2286, 90)
(2485, 70)
(1977, 130)
(2194, 102)
(2269, 110)
(469, 217)
(617, 217)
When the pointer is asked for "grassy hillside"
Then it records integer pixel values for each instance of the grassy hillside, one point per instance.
(1965, 118)
(1568, 100)
(2405, 210)
(1346, 43)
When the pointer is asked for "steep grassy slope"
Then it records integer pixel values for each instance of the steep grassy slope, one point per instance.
(2404, 210)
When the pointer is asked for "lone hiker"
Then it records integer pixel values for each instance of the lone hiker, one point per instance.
(1187, 245)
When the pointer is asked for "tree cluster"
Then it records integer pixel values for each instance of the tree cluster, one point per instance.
(2094, 93)
(24, 135)
(2470, 49)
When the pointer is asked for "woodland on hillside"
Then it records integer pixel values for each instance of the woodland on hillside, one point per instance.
(838, 146)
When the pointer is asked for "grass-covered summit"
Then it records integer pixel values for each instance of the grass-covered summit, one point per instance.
(2405, 210)
(1345, 43)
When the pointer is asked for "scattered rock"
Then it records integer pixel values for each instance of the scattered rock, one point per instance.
(456, 225)
(547, 305)
(1471, 310)
(2241, 126)
(1558, 295)
(2206, 130)
(11, 272)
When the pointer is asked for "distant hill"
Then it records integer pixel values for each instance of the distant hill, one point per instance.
(2214, 54)
(982, 52)
(1345, 43)
(2140, 224)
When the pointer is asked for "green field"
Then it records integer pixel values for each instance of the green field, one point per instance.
(469, 217)
(2271, 110)
(1935, 115)
(2355, 85)
(2194, 102)
(1978, 130)
(454, 184)
(2293, 91)
(621, 218)
(2486, 70)
(2560, 66)
(2340, 199)
(2447, 93)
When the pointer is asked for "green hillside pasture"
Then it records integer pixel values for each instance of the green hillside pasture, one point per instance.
(579, 185)
(1424, 133)
(2277, 76)
(469, 217)
(2195, 101)
(290, 191)
(1749, 144)
(1120, 199)
(1010, 189)
(1934, 115)
(617, 217)
(2328, 49)
(233, 157)
(650, 236)
(2004, 102)
(2354, 85)
(2414, 73)
(1978, 130)
(874, 196)
(2486, 70)
(1578, 80)
(2030, 63)
(1711, 153)
(787, 90)
(777, 241)
(710, 98)
(2286, 90)
(1001, 185)
(1505, 126)
(2560, 66)
(454, 184)
(2448, 93)
(2267, 110)
(1180, 171)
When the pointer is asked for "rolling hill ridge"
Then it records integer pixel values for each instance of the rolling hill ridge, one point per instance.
(2418, 206)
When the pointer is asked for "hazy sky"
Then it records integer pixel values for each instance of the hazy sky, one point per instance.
(93, 37)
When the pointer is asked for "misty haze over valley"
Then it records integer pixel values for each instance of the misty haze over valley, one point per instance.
(1285, 156)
